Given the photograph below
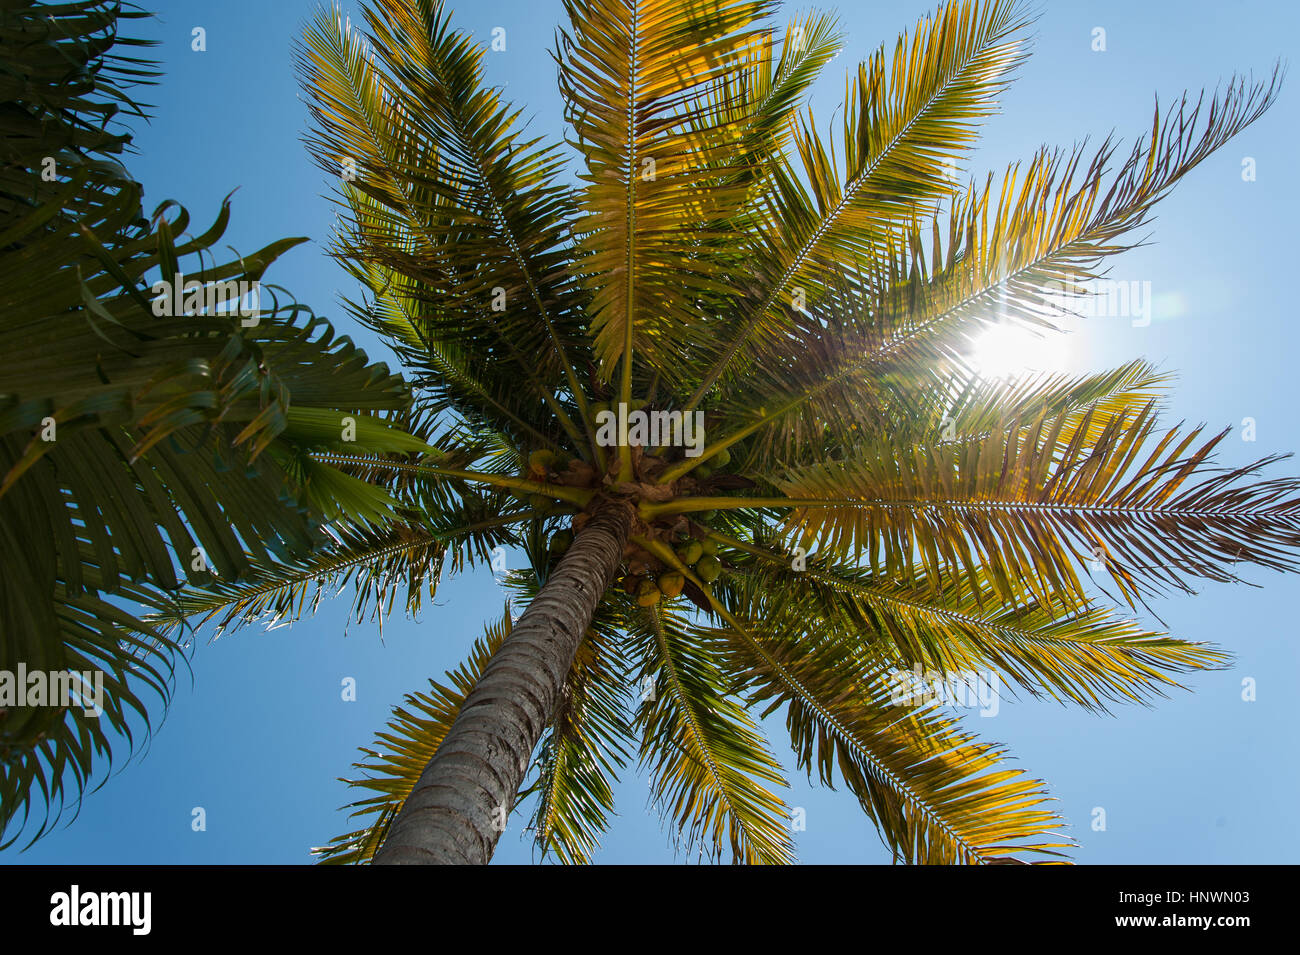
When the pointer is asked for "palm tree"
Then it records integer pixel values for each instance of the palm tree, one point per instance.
(139, 445)
(861, 503)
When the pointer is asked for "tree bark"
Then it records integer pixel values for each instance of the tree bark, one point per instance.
(458, 808)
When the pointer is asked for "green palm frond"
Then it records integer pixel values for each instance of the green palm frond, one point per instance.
(142, 444)
(479, 212)
(764, 94)
(441, 526)
(50, 755)
(966, 408)
(449, 372)
(49, 52)
(638, 76)
(379, 563)
(711, 773)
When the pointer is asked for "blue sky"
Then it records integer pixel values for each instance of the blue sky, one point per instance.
(259, 736)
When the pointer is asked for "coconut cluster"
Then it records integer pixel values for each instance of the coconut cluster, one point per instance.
(650, 581)
(646, 577)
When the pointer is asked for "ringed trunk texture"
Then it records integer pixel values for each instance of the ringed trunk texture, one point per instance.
(458, 808)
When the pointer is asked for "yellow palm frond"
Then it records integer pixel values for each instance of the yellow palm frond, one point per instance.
(1150, 511)
(937, 795)
(908, 120)
(1089, 657)
(637, 75)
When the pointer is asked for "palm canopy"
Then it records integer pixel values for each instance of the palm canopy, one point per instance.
(863, 503)
(139, 450)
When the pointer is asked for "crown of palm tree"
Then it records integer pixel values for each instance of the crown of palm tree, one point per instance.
(863, 504)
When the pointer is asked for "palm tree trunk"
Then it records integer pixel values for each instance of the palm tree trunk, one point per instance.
(458, 808)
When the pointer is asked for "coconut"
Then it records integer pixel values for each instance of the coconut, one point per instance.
(560, 541)
(721, 459)
(647, 594)
(690, 551)
(709, 568)
(539, 462)
(671, 584)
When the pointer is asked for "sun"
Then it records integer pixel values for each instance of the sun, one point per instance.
(1011, 351)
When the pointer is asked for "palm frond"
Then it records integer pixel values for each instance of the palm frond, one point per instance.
(907, 120)
(936, 794)
(1150, 509)
(710, 767)
(1010, 252)
(449, 374)
(141, 444)
(1089, 657)
(479, 211)
(639, 77)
